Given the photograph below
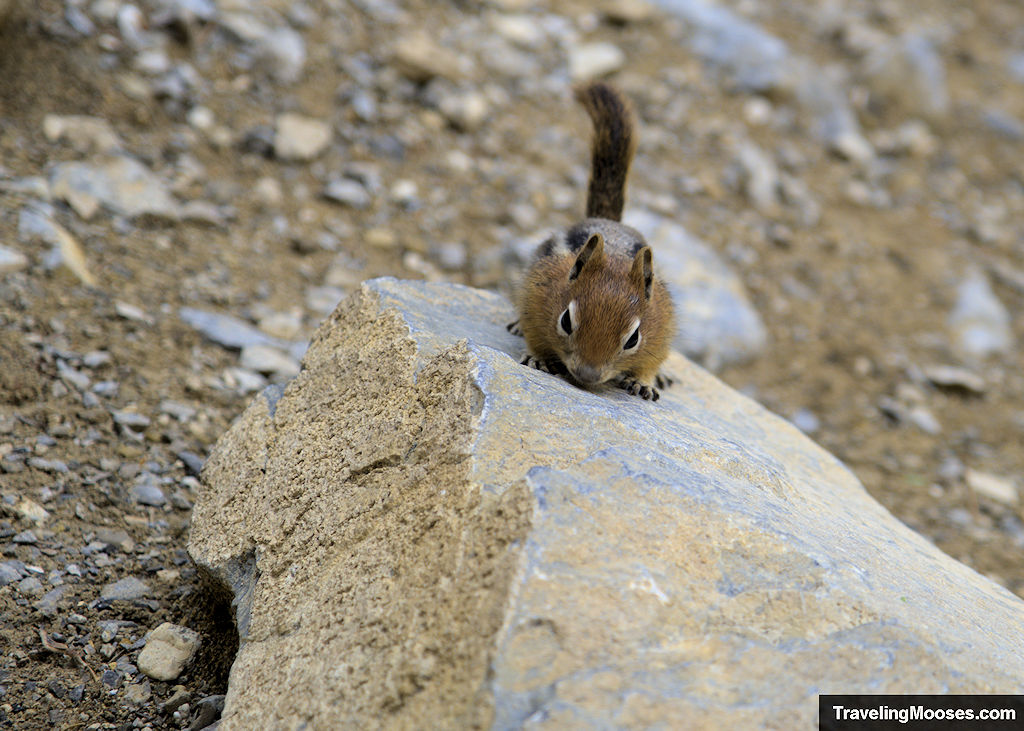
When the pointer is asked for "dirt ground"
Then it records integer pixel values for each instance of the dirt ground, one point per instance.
(856, 303)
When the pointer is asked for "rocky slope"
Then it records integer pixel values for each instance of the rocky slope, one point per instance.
(188, 187)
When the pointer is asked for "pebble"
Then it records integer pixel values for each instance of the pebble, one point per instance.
(207, 711)
(30, 510)
(85, 134)
(806, 421)
(179, 697)
(997, 488)
(11, 260)
(300, 138)
(138, 693)
(9, 572)
(284, 53)
(523, 30)
(594, 60)
(243, 381)
(26, 537)
(955, 377)
(147, 492)
(760, 175)
(419, 58)
(169, 648)
(130, 418)
(467, 111)
(30, 586)
(47, 604)
(979, 322)
(348, 192)
(121, 183)
(128, 588)
(226, 330)
(268, 360)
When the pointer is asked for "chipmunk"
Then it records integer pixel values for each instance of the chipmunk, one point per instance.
(590, 307)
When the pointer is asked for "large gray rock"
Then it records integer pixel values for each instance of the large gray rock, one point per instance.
(421, 532)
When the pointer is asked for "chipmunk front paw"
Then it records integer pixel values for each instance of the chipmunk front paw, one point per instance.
(552, 366)
(636, 388)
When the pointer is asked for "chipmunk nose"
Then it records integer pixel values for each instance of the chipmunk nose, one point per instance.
(587, 375)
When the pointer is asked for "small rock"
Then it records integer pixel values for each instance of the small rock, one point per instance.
(138, 693)
(419, 58)
(284, 52)
(26, 537)
(521, 29)
(300, 138)
(225, 330)
(594, 60)
(76, 694)
(31, 511)
(347, 192)
(992, 486)
(853, 146)
(57, 689)
(47, 604)
(111, 678)
(179, 696)
(954, 377)
(243, 380)
(268, 361)
(121, 183)
(979, 322)
(30, 586)
(11, 260)
(761, 177)
(169, 648)
(85, 134)
(128, 588)
(9, 573)
(466, 111)
(206, 712)
(132, 419)
(148, 492)
(806, 421)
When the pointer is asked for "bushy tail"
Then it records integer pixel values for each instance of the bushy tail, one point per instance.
(612, 148)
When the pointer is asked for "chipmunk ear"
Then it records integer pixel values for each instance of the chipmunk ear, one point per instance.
(592, 251)
(641, 274)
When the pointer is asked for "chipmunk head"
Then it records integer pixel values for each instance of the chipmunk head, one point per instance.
(600, 329)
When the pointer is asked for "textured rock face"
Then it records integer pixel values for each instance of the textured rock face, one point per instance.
(419, 528)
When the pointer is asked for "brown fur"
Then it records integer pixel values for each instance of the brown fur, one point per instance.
(611, 149)
(612, 285)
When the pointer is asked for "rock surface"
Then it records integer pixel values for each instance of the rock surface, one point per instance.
(418, 527)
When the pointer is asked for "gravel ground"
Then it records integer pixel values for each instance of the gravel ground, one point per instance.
(187, 187)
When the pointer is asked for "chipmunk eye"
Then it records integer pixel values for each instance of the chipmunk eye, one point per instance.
(633, 340)
(565, 323)
(567, 320)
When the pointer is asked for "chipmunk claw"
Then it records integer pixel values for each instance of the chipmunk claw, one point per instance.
(514, 328)
(636, 388)
(663, 381)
